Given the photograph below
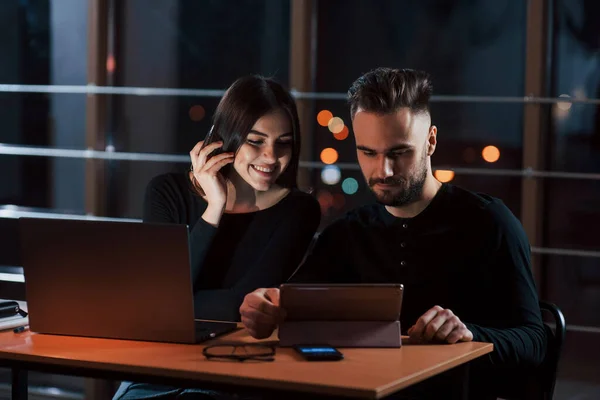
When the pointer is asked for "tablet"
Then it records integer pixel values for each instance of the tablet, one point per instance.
(341, 302)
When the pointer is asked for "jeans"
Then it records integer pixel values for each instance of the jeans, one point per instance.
(139, 391)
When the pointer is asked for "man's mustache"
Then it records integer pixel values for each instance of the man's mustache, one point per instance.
(386, 181)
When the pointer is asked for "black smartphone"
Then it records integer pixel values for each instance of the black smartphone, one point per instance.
(214, 137)
(319, 352)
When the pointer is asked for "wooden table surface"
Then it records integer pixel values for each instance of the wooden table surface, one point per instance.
(364, 373)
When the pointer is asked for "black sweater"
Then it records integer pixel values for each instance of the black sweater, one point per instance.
(465, 251)
(247, 251)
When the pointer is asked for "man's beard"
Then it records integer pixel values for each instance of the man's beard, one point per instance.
(401, 196)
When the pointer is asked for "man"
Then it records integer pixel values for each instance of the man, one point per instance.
(463, 258)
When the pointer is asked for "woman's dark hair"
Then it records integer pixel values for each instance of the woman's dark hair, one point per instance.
(247, 100)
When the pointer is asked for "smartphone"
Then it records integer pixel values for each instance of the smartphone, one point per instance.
(211, 137)
(319, 352)
(214, 137)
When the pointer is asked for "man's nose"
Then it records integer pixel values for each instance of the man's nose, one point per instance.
(386, 168)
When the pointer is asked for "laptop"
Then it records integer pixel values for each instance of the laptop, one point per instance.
(120, 280)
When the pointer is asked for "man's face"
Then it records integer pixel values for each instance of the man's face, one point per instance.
(393, 153)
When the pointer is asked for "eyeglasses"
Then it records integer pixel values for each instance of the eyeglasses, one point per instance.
(240, 351)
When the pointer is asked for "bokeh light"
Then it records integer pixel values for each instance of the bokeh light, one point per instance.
(336, 125)
(197, 113)
(350, 186)
(343, 134)
(564, 105)
(443, 175)
(329, 155)
(323, 117)
(490, 154)
(562, 109)
(331, 175)
(111, 64)
(325, 200)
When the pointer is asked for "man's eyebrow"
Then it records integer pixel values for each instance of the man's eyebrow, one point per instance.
(399, 147)
(390, 150)
(364, 148)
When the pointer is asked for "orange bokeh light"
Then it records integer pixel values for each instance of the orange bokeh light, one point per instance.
(329, 155)
(323, 117)
(343, 134)
(490, 154)
(443, 175)
(111, 64)
(197, 112)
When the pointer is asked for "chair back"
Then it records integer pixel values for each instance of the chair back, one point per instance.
(538, 383)
(556, 340)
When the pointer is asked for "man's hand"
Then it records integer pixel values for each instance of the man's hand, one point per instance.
(261, 313)
(440, 324)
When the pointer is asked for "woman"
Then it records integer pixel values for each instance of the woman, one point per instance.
(249, 224)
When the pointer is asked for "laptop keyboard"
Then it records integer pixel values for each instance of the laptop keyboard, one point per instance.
(206, 330)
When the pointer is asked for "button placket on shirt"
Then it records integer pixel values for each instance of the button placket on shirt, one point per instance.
(403, 263)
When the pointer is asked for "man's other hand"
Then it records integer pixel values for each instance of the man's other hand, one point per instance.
(439, 324)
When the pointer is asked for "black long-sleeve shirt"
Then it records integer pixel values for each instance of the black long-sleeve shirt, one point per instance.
(465, 251)
(247, 251)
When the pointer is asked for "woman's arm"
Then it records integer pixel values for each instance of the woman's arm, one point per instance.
(164, 202)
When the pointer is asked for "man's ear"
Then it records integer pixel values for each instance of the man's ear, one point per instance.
(431, 140)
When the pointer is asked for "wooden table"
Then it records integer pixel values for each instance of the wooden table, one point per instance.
(364, 373)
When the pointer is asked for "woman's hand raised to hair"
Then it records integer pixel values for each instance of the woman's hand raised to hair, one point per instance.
(207, 176)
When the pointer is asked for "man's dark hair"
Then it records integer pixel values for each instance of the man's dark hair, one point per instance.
(385, 90)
